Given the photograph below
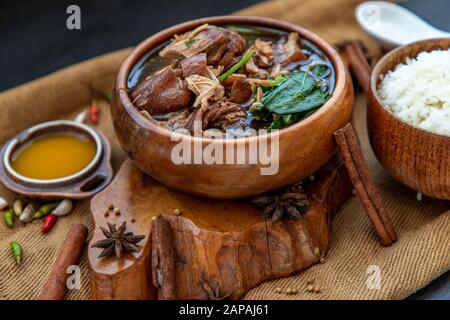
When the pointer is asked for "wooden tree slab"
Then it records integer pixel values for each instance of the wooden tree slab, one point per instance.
(214, 248)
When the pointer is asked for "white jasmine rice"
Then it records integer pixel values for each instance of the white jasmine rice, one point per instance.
(419, 91)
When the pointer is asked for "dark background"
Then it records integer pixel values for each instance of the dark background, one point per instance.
(34, 41)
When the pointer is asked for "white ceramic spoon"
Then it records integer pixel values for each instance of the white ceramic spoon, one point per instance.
(393, 25)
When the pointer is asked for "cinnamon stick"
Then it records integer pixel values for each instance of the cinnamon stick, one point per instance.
(69, 254)
(358, 63)
(365, 188)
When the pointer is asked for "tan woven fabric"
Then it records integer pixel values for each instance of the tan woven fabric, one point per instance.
(420, 255)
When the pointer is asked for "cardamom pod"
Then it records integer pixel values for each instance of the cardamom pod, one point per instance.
(27, 214)
(63, 208)
(3, 203)
(18, 207)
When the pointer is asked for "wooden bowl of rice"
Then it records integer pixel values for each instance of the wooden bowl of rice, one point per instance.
(412, 141)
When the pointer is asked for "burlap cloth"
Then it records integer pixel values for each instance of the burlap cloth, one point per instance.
(421, 254)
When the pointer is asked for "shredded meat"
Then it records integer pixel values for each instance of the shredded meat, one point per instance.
(261, 60)
(263, 53)
(253, 70)
(292, 48)
(195, 64)
(179, 119)
(289, 52)
(223, 47)
(216, 71)
(206, 89)
(241, 90)
(219, 115)
(162, 93)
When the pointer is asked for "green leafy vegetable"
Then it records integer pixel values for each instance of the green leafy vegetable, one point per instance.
(313, 100)
(297, 92)
(237, 66)
(292, 98)
(276, 124)
(289, 119)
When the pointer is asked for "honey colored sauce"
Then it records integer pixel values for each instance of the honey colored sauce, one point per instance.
(54, 156)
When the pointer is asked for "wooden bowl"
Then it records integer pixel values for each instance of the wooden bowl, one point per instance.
(415, 157)
(303, 147)
(83, 184)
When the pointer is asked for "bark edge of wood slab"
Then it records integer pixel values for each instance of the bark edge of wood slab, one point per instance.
(183, 249)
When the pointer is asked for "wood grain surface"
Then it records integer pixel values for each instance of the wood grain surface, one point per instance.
(220, 246)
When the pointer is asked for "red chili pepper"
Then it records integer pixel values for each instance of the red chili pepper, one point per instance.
(49, 222)
(94, 112)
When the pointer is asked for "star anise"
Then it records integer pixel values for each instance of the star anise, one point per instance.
(291, 203)
(117, 241)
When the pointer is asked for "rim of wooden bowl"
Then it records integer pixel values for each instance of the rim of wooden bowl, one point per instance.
(404, 52)
(153, 41)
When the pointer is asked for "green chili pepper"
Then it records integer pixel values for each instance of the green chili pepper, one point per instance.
(45, 209)
(8, 217)
(17, 251)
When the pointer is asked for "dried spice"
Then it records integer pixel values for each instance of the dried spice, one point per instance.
(291, 203)
(117, 241)
(366, 189)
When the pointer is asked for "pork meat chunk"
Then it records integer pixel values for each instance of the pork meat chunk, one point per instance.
(162, 93)
(222, 47)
